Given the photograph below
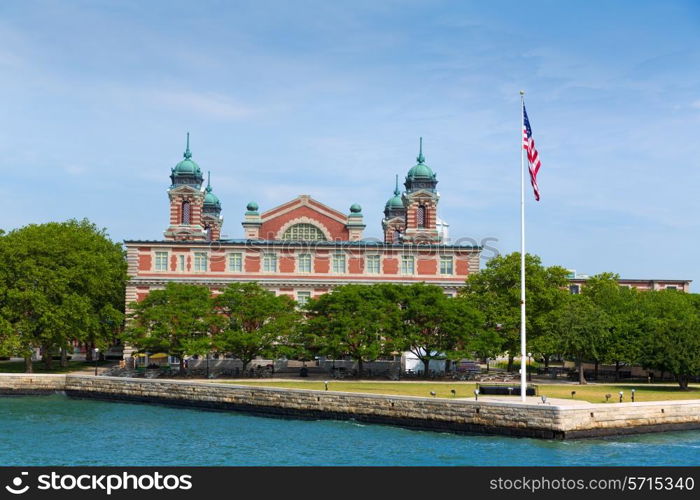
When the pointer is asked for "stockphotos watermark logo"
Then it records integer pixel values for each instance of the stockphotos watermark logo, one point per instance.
(103, 483)
(18, 487)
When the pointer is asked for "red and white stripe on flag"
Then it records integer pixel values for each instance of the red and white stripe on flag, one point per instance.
(533, 156)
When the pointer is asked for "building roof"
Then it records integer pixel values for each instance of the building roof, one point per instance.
(331, 244)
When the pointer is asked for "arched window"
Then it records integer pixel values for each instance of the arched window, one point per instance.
(397, 237)
(303, 232)
(421, 216)
(186, 212)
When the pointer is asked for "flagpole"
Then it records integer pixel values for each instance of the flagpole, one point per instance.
(523, 345)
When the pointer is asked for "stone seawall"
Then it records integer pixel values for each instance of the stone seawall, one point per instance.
(462, 416)
(26, 384)
(412, 412)
(596, 420)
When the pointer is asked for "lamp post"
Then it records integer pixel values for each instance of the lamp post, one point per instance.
(97, 355)
(529, 362)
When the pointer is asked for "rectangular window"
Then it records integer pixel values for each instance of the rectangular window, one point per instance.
(420, 216)
(446, 265)
(303, 298)
(373, 263)
(304, 263)
(181, 262)
(235, 262)
(407, 264)
(270, 263)
(339, 263)
(161, 261)
(574, 289)
(200, 262)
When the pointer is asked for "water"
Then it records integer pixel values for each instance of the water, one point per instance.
(56, 430)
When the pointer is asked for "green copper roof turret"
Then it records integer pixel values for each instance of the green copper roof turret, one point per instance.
(210, 198)
(252, 208)
(395, 201)
(421, 175)
(212, 205)
(188, 154)
(187, 171)
(394, 206)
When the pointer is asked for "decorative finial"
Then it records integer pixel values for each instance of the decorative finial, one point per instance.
(421, 158)
(188, 154)
(522, 92)
(396, 189)
(208, 181)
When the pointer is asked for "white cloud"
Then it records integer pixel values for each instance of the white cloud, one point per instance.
(204, 103)
(75, 169)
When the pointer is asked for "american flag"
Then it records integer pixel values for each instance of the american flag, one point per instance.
(533, 156)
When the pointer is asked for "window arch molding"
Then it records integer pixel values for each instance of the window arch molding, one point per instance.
(304, 220)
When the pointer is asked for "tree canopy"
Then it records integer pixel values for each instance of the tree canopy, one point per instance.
(353, 320)
(496, 292)
(434, 326)
(175, 320)
(253, 321)
(60, 283)
(583, 330)
(670, 338)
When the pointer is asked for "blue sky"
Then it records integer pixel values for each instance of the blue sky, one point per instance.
(329, 99)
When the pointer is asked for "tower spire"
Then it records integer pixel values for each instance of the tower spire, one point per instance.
(396, 189)
(421, 158)
(208, 181)
(188, 153)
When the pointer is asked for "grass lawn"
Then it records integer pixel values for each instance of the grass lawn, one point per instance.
(592, 393)
(18, 366)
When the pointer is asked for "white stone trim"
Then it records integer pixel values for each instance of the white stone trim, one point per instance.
(132, 261)
(160, 282)
(302, 201)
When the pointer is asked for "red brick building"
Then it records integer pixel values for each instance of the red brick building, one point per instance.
(302, 247)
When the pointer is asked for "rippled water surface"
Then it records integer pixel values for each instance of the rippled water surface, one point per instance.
(56, 430)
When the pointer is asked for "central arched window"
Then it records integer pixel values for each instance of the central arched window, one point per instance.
(304, 232)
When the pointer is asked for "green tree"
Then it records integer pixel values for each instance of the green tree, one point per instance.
(670, 341)
(176, 320)
(434, 326)
(352, 320)
(253, 321)
(621, 305)
(582, 327)
(61, 282)
(496, 291)
(547, 343)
